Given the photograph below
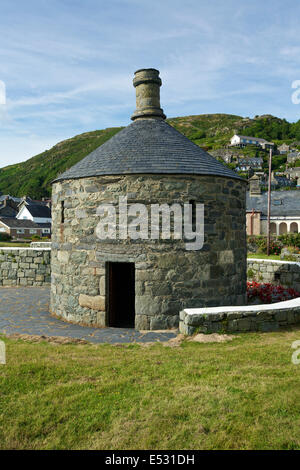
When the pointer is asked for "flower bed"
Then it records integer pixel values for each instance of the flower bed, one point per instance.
(268, 293)
(259, 243)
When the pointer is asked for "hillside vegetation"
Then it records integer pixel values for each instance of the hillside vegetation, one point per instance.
(209, 131)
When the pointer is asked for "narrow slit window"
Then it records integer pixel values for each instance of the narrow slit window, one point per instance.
(62, 212)
(193, 214)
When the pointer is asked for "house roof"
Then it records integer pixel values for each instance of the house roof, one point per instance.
(250, 160)
(289, 203)
(27, 200)
(37, 210)
(294, 154)
(18, 223)
(7, 196)
(284, 146)
(148, 146)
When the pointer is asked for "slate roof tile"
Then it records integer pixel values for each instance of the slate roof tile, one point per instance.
(148, 146)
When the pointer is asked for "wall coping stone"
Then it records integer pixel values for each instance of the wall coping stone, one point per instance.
(40, 245)
(19, 248)
(286, 304)
(274, 261)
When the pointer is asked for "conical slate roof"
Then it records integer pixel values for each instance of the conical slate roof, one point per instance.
(148, 146)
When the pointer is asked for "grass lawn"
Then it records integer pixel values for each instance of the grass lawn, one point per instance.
(243, 394)
(14, 244)
(262, 256)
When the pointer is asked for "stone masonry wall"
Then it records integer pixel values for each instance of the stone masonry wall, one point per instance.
(24, 266)
(252, 318)
(168, 278)
(285, 273)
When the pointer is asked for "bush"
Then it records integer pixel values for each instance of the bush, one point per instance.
(5, 237)
(35, 238)
(250, 273)
(261, 242)
(293, 249)
(275, 247)
(290, 239)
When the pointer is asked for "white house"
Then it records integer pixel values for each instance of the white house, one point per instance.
(39, 214)
(243, 140)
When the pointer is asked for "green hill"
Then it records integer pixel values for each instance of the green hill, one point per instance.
(209, 131)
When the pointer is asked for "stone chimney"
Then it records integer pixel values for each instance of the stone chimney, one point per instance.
(147, 84)
(255, 189)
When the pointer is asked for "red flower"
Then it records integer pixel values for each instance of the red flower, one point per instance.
(268, 293)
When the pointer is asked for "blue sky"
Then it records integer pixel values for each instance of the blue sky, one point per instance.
(68, 65)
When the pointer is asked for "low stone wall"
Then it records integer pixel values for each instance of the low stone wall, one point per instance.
(25, 266)
(267, 317)
(285, 273)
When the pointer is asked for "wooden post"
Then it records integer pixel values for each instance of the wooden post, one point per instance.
(269, 203)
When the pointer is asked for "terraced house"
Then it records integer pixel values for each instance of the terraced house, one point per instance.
(19, 228)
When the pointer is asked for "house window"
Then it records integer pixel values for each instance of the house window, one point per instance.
(277, 202)
(46, 230)
(62, 211)
(20, 230)
(32, 230)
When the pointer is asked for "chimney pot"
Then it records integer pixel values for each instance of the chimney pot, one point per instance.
(254, 182)
(147, 84)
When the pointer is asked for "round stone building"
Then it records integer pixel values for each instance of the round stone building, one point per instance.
(125, 279)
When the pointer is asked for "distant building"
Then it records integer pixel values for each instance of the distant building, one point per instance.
(8, 196)
(284, 148)
(40, 214)
(293, 157)
(8, 207)
(227, 157)
(285, 212)
(293, 173)
(248, 163)
(243, 140)
(26, 201)
(19, 228)
(279, 179)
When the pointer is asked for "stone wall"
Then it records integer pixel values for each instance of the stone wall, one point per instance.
(168, 278)
(24, 266)
(267, 317)
(285, 273)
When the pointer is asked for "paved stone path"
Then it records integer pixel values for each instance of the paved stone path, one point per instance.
(25, 310)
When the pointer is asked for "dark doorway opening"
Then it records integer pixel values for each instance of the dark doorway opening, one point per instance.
(121, 294)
